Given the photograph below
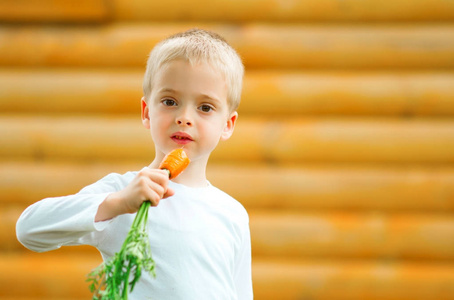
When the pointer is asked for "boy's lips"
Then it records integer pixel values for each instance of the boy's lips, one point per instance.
(181, 138)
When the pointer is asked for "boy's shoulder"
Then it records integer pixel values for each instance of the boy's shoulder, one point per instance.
(227, 200)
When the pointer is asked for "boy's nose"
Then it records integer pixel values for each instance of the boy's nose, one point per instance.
(184, 121)
(184, 116)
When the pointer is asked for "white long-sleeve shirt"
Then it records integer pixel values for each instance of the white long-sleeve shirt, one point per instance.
(199, 238)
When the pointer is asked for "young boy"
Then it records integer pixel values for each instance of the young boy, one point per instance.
(199, 235)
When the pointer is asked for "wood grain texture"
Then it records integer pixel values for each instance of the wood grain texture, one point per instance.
(321, 140)
(272, 93)
(289, 188)
(227, 11)
(267, 140)
(278, 46)
(63, 275)
(358, 235)
(46, 11)
(328, 235)
(354, 280)
(284, 11)
(342, 155)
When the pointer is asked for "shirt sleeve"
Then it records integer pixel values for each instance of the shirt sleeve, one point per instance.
(69, 220)
(242, 275)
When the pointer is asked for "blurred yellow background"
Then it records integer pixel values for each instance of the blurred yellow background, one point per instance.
(343, 154)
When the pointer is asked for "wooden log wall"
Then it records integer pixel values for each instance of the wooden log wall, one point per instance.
(343, 154)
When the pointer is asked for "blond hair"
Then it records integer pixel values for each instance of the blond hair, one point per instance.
(198, 46)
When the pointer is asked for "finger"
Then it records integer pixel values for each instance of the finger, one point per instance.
(154, 173)
(159, 176)
(152, 196)
(158, 188)
(162, 191)
(169, 193)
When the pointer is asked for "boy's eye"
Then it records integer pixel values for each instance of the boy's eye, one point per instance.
(206, 108)
(169, 102)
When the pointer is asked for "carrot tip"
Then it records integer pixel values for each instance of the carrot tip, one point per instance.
(175, 162)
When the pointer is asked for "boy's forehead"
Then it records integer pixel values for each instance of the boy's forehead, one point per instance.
(184, 63)
(180, 76)
(181, 71)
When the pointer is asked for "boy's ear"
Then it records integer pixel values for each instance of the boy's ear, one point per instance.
(145, 113)
(230, 126)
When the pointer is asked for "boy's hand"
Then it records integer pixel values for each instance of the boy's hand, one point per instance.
(148, 185)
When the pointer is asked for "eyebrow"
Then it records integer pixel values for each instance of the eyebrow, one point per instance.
(205, 96)
(167, 90)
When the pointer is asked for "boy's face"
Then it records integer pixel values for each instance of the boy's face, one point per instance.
(188, 107)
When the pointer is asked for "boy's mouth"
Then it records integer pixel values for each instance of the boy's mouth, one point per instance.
(181, 138)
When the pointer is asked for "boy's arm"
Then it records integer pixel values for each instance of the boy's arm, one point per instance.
(50, 223)
(54, 222)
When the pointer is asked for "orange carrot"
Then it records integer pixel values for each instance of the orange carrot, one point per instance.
(175, 162)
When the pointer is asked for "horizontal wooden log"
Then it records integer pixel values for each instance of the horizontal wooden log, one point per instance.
(276, 93)
(229, 11)
(341, 141)
(333, 280)
(303, 188)
(320, 188)
(71, 91)
(53, 11)
(352, 235)
(373, 235)
(348, 93)
(42, 298)
(288, 11)
(266, 140)
(46, 275)
(75, 138)
(291, 46)
(52, 276)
